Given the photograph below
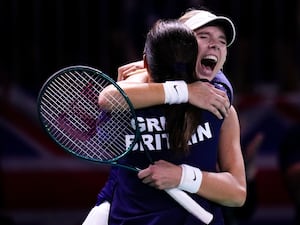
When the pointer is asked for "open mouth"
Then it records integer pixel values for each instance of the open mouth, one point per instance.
(209, 62)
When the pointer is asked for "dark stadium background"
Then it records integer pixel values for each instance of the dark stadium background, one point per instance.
(42, 185)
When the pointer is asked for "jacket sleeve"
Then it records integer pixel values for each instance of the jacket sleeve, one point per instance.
(221, 82)
(106, 193)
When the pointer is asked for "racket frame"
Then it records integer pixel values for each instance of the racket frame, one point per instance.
(83, 68)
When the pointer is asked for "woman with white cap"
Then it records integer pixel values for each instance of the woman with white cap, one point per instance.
(222, 182)
(201, 94)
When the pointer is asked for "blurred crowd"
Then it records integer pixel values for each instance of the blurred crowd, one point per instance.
(39, 37)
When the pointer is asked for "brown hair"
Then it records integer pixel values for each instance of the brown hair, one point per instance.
(171, 52)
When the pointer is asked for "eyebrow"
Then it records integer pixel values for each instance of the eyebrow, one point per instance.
(199, 32)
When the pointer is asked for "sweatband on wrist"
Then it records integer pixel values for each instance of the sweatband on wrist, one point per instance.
(191, 178)
(176, 92)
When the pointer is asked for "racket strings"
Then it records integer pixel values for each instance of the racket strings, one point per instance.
(69, 106)
(113, 146)
(117, 127)
(76, 112)
(70, 111)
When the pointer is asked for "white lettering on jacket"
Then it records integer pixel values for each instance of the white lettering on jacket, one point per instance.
(154, 136)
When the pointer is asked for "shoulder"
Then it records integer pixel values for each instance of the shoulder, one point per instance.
(221, 79)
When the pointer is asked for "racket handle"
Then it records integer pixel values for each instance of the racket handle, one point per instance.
(190, 205)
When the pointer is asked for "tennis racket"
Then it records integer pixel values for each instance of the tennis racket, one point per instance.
(69, 112)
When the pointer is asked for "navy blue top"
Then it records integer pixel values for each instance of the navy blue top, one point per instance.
(133, 202)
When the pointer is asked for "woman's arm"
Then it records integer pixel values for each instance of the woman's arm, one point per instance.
(141, 94)
(201, 94)
(227, 187)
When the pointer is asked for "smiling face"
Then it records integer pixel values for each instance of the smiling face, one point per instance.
(212, 51)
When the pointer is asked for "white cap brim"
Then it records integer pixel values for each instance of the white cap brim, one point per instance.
(203, 18)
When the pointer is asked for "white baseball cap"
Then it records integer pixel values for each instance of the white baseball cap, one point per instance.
(203, 18)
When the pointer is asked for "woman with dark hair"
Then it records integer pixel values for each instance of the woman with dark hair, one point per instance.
(193, 149)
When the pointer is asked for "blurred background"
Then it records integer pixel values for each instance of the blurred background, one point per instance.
(42, 185)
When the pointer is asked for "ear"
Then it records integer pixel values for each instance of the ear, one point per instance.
(145, 62)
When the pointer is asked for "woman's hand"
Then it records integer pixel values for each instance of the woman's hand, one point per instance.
(204, 95)
(133, 70)
(161, 175)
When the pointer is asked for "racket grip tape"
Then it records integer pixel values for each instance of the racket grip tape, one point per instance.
(190, 205)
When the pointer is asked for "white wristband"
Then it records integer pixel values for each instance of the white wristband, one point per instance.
(176, 92)
(191, 178)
